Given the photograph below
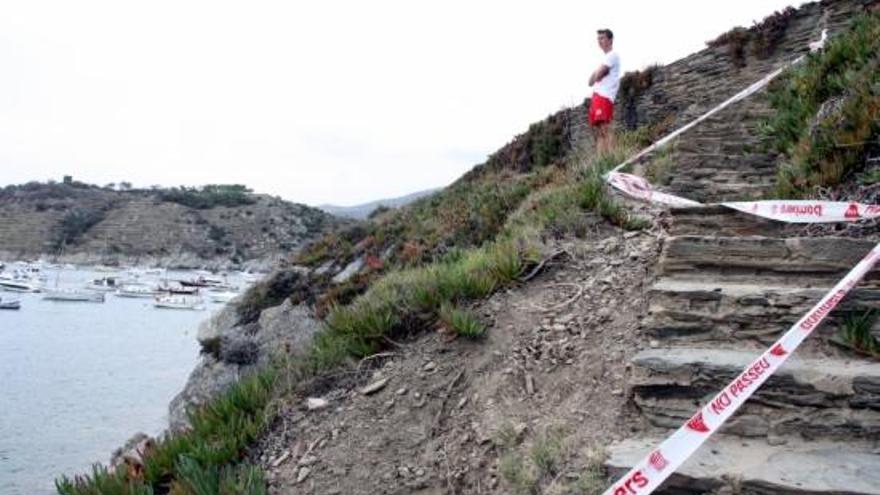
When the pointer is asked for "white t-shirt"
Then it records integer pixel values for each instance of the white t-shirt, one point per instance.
(607, 86)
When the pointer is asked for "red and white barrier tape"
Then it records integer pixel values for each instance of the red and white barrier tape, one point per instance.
(658, 465)
(790, 211)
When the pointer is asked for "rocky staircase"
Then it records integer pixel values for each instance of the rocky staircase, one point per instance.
(707, 158)
(728, 284)
(720, 296)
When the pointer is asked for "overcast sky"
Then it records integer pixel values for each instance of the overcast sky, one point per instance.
(320, 101)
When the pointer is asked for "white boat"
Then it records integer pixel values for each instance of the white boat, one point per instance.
(136, 291)
(179, 302)
(222, 297)
(19, 285)
(104, 284)
(14, 304)
(77, 295)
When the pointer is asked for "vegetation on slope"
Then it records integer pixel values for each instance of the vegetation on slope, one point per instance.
(201, 461)
(828, 111)
(520, 184)
(75, 223)
(503, 225)
(209, 196)
(760, 40)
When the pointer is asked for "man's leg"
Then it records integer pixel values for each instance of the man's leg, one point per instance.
(601, 137)
(609, 137)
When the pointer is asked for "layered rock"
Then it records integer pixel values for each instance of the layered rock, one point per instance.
(231, 350)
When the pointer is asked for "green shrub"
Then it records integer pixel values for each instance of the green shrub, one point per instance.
(196, 479)
(74, 224)
(545, 142)
(662, 164)
(547, 451)
(101, 482)
(462, 322)
(763, 37)
(209, 196)
(856, 332)
(827, 111)
(594, 478)
(594, 195)
(379, 210)
(518, 475)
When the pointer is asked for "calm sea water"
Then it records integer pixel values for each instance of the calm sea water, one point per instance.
(78, 379)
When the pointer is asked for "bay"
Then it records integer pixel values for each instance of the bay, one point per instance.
(78, 379)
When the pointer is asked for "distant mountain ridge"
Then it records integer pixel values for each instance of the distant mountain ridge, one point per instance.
(362, 211)
(212, 226)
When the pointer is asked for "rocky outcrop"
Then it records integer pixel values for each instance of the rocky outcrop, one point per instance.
(230, 351)
(78, 223)
(809, 396)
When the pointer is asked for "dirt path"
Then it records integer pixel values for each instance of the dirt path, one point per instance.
(523, 409)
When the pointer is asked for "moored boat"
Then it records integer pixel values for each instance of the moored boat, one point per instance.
(179, 290)
(19, 285)
(14, 304)
(73, 295)
(136, 291)
(200, 282)
(179, 302)
(104, 284)
(222, 297)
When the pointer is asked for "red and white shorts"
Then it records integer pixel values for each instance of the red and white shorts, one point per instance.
(601, 110)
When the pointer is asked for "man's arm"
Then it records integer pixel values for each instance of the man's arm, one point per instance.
(598, 74)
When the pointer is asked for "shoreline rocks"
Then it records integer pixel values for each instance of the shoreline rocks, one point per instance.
(231, 351)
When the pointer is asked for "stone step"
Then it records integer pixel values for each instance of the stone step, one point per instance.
(689, 185)
(704, 193)
(738, 163)
(725, 312)
(718, 144)
(754, 467)
(724, 222)
(698, 176)
(802, 262)
(808, 396)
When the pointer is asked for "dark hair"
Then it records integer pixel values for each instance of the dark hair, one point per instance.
(606, 32)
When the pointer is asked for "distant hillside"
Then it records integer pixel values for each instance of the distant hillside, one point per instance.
(217, 226)
(362, 211)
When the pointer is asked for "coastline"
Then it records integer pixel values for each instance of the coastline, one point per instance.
(177, 261)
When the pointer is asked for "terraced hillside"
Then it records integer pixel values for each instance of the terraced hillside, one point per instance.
(86, 224)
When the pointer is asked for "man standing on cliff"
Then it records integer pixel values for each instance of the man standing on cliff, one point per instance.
(605, 80)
